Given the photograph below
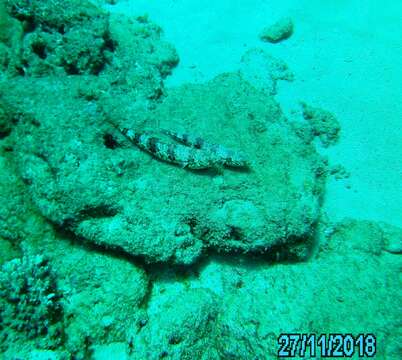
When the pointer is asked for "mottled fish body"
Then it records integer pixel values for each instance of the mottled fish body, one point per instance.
(227, 156)
(184, 156)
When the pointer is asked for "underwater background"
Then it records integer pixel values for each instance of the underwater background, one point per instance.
(200, 180)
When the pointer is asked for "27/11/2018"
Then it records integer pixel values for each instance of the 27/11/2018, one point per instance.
(326, 345)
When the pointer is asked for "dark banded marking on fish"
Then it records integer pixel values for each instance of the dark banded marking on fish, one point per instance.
(227, 156)
(152, 144)
(174, 153)
(198, 142)
(171, 152)
(137, 137)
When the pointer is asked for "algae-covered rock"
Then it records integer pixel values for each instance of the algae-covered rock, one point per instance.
(180, 327)
(353, 269)
(76, 37)
(241, 222)
(323, 124)
(95, 299)
(274, 202)
(142, 58)
(70, 37)
(85, 196)
(87, 179)
(140, 43)
(120, 197)
(19, 219)
(254, 313)
(11, 32)
(30, 303)
(103, 295)
(103, 300)
(263, 70)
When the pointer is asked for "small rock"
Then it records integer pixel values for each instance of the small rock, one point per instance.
(278, 31)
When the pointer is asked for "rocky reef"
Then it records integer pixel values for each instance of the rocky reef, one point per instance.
(88, 180)
(108, 251)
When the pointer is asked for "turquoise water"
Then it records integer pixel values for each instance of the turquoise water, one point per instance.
(186, 181)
